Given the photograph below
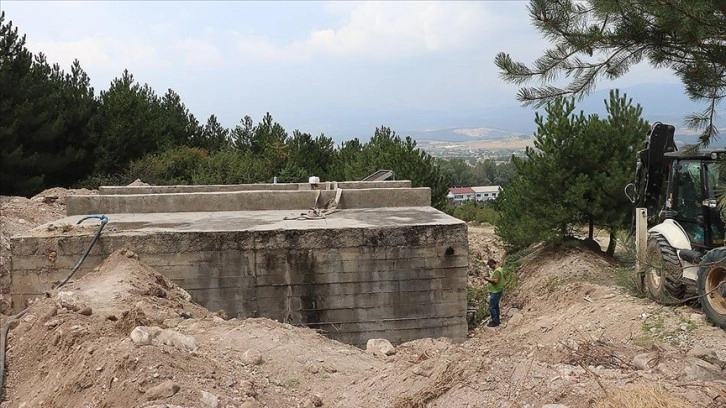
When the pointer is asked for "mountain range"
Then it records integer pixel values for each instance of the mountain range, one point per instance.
(665, 103)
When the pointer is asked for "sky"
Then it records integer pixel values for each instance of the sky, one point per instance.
(337, 67)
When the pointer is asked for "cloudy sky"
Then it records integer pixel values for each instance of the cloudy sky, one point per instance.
(316, 66)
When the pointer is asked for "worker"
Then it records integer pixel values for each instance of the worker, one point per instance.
(495, 287)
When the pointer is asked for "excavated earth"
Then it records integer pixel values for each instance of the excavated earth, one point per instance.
(126, 336)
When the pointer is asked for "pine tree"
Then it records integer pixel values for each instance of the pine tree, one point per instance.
(46, 119)
(213, 136)
(598, 39)
(129, 125)
(574, 175)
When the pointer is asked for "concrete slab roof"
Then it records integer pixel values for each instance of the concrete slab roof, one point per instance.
(141, 223)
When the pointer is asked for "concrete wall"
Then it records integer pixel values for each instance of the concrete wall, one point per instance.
(245, 201)
(327, 185)
(397, 282)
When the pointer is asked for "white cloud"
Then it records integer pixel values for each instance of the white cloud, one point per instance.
(199, 53)
(101, 52)
(385, 29)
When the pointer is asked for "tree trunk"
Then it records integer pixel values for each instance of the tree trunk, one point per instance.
(592, 229)
(611, 245)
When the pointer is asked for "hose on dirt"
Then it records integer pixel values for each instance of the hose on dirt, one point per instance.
(104, 221)
(14, 318)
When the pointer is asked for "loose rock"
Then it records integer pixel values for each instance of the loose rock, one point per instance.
(252, 357)
(166, 389)
(250, 404)
(210, 400)
(644, 361)
(380, 346)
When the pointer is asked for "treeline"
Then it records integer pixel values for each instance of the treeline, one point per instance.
(55, 131)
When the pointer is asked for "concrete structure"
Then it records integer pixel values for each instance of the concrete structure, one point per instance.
(386, 264)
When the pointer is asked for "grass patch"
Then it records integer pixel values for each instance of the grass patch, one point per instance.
(641, 395)
(626, 278)
(477, 306)
(625, 249)
(653, 324)
(291, 383)
(690, 324)
(552, 284)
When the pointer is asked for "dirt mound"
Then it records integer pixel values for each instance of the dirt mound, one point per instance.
(125, 336)
(20, 214)
(138, 182)
(574, 340)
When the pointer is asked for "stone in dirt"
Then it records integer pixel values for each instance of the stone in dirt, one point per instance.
(252, 357)
(70, 301)
(380, 346)
(644, 361)
(697, 369)
(166, 389)
(209, 400)
(704, 354)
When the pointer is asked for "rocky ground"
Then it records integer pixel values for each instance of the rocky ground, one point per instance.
(125, 336)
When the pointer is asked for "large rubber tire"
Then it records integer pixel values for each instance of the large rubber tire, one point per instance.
(662, 276)
(712, 286)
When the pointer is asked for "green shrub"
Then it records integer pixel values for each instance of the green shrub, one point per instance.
(473, 212)
(477, 299)
(175, 166)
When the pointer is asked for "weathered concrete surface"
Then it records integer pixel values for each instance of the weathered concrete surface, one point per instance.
(246, 200)
(326, 185)
(398, 273)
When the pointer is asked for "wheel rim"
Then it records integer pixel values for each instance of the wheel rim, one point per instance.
(715, 294)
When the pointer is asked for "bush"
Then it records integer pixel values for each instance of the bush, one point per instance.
(475, 212)
(477, 307)
(175, 166)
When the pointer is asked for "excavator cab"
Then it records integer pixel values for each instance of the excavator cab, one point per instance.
(692, 197)
(683, 186)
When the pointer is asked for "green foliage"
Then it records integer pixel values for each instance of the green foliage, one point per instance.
(598, 39)
(46, 133)
(129, 128)
(487, 172)
(387, 150)
(474, 212)
(625, 277)
(573, 176)
(308, 156)
(477, 305)
(213, 136)
(171, 167)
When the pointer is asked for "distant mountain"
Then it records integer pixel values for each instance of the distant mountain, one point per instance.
(665, 103)
(464, 134)
(661, 103)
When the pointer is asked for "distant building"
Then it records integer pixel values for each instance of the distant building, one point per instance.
(486, 193)
(458, 195)
(461, 194)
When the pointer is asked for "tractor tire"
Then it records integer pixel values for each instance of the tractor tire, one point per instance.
(662, 278)
(712, 286)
